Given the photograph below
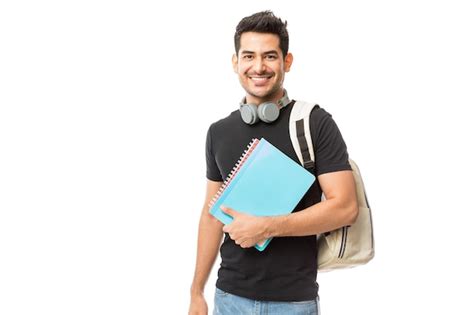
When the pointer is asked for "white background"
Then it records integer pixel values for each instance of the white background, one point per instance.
(104, 108)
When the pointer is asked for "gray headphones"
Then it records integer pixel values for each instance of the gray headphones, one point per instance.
(267, 112)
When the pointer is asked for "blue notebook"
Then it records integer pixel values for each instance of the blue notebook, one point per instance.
(264, 182)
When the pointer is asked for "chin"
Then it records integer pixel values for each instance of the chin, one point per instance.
(267, 94)
(260, 91)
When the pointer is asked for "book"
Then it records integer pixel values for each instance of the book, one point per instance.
(264, 182)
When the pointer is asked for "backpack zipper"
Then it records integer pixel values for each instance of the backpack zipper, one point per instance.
(342, 249)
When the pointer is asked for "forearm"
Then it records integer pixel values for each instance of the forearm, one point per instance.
(209, 239)
(325, 216)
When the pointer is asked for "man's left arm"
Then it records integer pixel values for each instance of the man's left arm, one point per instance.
(337, 210)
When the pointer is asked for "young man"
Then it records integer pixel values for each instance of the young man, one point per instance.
(282, 278)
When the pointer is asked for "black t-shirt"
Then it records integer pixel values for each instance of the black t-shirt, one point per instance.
(286, 269)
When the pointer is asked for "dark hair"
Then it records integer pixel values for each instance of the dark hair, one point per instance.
(263, 22)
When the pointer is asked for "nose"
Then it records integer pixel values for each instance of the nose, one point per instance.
(259, 65)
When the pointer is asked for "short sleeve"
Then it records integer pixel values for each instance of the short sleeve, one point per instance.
(212, 171)
(330, 148)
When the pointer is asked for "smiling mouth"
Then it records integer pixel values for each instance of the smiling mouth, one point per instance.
(260, 79)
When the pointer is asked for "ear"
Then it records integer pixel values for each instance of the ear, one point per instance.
(288, 61)
(235, 63)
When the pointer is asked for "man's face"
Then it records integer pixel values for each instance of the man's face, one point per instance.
(261, 67)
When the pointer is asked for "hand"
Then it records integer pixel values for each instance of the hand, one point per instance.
(198, 305)
(246, 230)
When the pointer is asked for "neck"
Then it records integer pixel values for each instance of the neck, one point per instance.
(274, 98)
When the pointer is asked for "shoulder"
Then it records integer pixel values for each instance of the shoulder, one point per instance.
(225, 123)
(319, 117)
(322, 123)
(319, 114)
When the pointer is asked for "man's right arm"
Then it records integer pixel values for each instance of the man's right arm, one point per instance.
(209, 239)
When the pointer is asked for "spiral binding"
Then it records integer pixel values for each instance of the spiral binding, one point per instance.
(250, 147)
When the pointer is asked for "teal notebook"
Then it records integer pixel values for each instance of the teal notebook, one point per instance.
(264, 182)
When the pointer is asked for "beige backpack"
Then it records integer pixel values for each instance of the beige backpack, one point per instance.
(348, 246)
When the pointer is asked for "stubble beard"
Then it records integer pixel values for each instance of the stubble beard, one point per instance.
(266, 96)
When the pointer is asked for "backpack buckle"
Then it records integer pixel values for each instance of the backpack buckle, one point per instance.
(309, 165)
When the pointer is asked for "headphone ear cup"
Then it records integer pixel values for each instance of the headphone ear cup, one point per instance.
(268, 112)
(249, 113)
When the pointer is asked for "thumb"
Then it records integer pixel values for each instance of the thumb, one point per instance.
(229, 211)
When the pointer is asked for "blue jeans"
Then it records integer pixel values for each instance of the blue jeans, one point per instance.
(229, 304)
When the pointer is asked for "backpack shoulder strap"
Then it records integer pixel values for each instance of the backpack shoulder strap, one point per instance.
(300, 134)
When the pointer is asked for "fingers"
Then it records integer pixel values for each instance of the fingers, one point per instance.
(232, 229)
(242, 242)
(226, 229)
(229, 211)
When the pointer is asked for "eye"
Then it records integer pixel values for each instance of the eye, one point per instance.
(271, 57)
(247, 57)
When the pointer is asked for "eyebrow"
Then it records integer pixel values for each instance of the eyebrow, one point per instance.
(243, 52)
